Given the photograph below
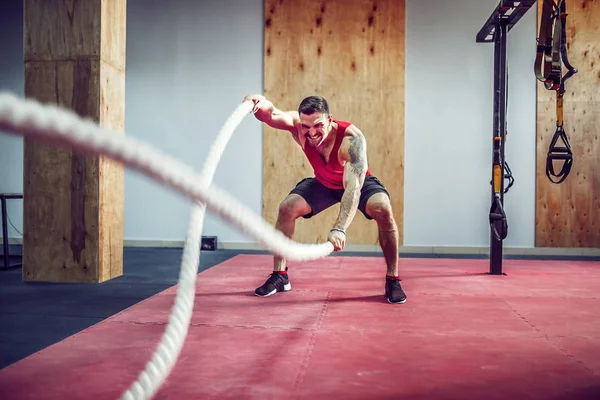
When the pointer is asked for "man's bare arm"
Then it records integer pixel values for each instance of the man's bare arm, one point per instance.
(266, 112)
(354, 152)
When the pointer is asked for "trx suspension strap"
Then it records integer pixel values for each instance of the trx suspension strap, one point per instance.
(550, 56)
(500, 170)
(495, 30)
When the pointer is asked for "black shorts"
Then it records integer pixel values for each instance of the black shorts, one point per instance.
(320, 197)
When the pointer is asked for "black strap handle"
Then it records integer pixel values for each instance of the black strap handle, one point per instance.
(563, 153)
(498, 222)
(550, 56)
(509, 176)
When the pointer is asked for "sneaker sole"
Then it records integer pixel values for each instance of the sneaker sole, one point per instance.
(286, 288)
(396, 302)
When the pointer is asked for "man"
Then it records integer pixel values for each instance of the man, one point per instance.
(337, 151)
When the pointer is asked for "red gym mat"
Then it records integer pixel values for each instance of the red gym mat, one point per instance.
(533, 334)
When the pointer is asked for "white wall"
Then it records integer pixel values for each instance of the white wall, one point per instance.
(12, 78)
(189, 64)
(181, 86)
(449, 107)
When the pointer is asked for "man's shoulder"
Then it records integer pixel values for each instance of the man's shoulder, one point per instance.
(295, 118)
(343, 124)
(348, 129)
(294, 114)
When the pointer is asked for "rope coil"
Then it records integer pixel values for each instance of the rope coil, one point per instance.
(62, 127)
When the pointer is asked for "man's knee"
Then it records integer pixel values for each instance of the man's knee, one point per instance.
(379, 208)
(293, 207)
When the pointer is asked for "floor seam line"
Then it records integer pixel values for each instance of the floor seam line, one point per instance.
(570, 356)
(545, 336)
(311, 345)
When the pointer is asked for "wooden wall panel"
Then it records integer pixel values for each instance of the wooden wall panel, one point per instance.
(568, 215)
(73, 203)
(352, 53)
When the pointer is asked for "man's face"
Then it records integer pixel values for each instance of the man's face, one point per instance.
(315, 127)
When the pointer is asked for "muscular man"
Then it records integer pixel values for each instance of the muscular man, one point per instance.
(337, 151)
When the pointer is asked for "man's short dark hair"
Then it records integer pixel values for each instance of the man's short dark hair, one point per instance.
(313, 104)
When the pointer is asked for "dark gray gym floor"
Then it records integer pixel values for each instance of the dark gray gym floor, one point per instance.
(36, 315)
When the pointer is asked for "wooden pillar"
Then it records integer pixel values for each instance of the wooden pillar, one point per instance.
(74, 53)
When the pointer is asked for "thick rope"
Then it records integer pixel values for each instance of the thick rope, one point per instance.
(64, 128)
(162, 362)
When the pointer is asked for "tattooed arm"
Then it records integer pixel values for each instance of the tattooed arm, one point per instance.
(354, 152)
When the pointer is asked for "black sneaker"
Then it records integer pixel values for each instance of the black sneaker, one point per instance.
(393, 291)
(275, 283)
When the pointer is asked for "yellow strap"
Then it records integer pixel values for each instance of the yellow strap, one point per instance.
(497, 178)
(559, 109)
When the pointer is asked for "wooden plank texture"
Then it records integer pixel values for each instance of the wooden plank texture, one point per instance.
(352, 53)
(62, 29)
(112, 116)
(60, 188)
(568, 215)
(73, 204)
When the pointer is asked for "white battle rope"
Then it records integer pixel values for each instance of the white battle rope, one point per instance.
(169, 348)
(62, 127)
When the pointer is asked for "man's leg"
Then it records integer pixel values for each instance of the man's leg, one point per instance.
(292, 208)
(375, 204)
(379, 208)
(307, 199)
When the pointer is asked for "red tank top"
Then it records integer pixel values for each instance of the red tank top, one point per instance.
(330, 174)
